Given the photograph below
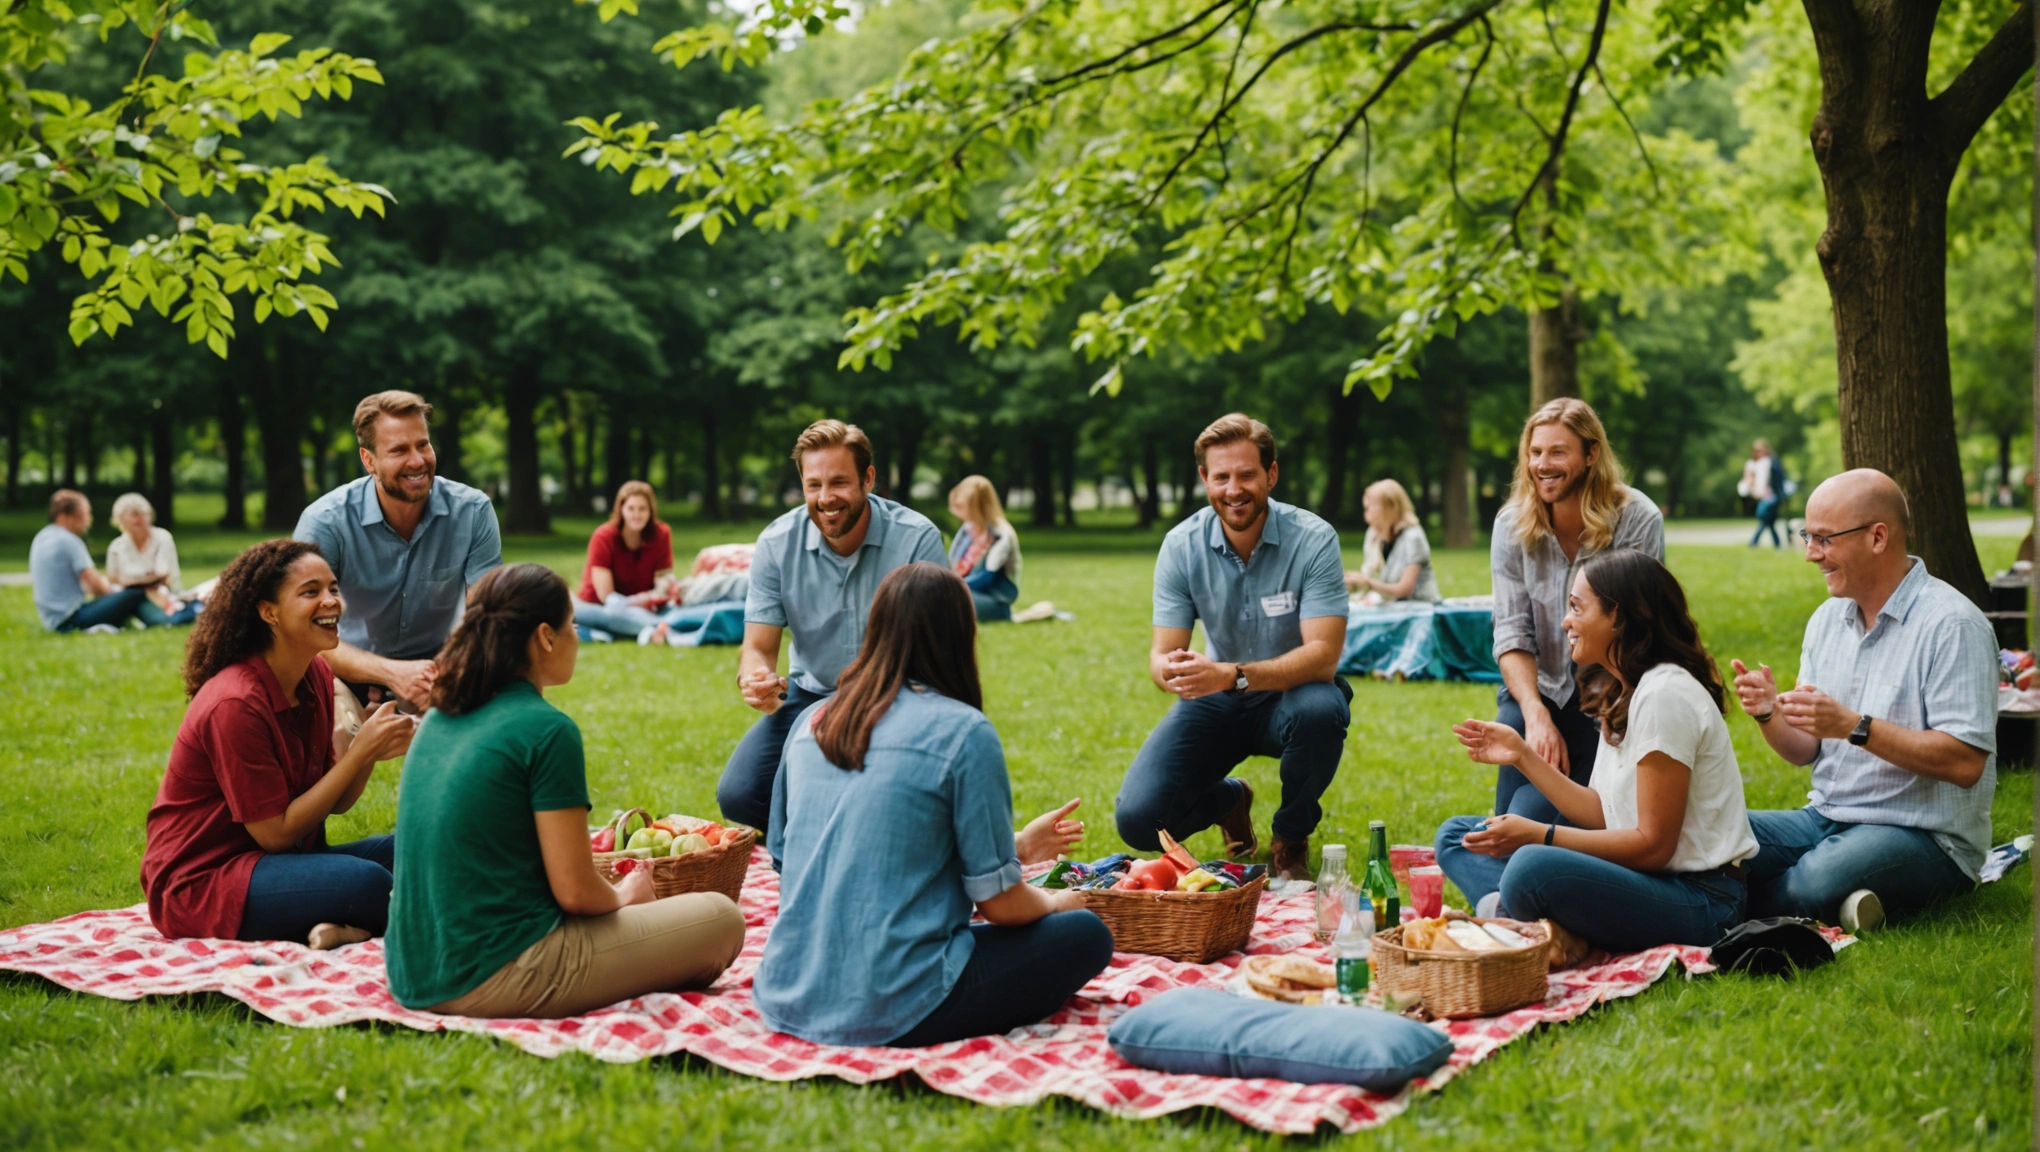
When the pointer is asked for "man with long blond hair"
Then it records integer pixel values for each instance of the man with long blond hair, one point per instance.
(1568, 503)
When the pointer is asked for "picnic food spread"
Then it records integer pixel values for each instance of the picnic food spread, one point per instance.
(640, 837)
(1288, 977)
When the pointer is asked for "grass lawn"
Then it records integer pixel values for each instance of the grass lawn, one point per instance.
(1920, 1036)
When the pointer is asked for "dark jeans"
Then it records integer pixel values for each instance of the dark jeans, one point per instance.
(1180, 778)
(1016, 976)
(994, 597)
(155, 617)
(1767, 521)
(1582, 736)
(1807, 864)
(115, 608)
(745, 791)
(291, 893)
(1614, 907)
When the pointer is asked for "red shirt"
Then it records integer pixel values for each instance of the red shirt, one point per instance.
(633, 571)
(242, 755)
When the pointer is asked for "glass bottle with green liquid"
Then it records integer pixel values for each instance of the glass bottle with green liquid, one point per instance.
(1377, 884)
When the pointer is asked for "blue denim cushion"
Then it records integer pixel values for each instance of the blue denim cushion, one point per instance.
(1204, 1032)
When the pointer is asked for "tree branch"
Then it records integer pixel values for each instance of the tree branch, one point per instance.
(1466, 94)
(1572, 103)
(1963, 106)
(1643, 149)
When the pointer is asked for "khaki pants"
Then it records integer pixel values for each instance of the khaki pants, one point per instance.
(590, 962)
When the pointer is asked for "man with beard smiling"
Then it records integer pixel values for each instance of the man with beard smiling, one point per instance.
(1268, 582)
(1568, 503)
(815, 571)
(405, 545)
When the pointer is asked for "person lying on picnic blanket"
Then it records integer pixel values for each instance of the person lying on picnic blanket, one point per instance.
(892, 819)
(499, 911)
(1651, 850)
(237, 835)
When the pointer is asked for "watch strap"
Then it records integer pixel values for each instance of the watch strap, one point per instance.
(1860, 735)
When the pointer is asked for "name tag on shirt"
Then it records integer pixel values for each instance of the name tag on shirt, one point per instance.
(1280, 604)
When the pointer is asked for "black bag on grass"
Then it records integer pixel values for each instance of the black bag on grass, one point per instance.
(1777, 946)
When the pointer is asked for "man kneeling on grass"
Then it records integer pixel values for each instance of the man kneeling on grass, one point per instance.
(1896, 711)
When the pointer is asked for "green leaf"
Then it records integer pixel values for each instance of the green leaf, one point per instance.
(267, 42)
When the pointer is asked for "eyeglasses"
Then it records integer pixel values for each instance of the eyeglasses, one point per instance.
(1816, 540)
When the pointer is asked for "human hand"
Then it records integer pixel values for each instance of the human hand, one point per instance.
(763, 689)
(386, 734)
(1047, 835)
(648, 600)
(1756, 690)
(635, 886)
(1191, 675)
(1542, 737)
(1065, 900)
(411, 681)
(1502, 835)
(1490, 743)
(1816, 713)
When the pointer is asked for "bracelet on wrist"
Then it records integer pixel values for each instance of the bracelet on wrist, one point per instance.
(1765, 718)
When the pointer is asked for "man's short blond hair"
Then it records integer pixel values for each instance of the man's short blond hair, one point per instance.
(1232, 428)
(395, 402)
(834, 434)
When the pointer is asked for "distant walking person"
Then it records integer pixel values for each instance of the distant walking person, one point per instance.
(61, 570)
(1763, 480)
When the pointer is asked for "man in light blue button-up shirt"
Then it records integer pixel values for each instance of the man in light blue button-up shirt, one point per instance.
(1895, 712)
(1268, 582)
(405, 543)
(815, 570)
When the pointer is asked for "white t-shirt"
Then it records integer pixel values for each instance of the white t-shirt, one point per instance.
(126, 563)
(1670, 712)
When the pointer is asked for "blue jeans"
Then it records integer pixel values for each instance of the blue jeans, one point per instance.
(993, 593)
(620, 622)
(1614, 907)
(745, 791)
(115, 608)
(1767, 521)
(1180, 779)
(1806, 864)
(1582, 736)
(155, 617)
(1016, 976)
(290, 893)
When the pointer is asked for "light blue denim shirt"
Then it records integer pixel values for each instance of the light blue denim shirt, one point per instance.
(1253, 610)
(403, 597)
(881, 869)
(799, 583)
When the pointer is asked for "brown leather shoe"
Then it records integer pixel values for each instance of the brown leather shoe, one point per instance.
(1237, 825)
(1292, 859)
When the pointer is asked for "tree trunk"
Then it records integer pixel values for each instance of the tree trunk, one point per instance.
(1454, 421)
(616, 451)
(1887, 155)
(13, 451)
(1339, 452)
(570, 472)
(1067, 457)
(280, 417)
(234, 445)
(906, 460)
(140, 479)
(1151, 473)
(163, 454)
(711, 468)
(1041, 469)
(527, 512)
(2004, 465)
(1554, 351)
(446, 438)
(1187, 503)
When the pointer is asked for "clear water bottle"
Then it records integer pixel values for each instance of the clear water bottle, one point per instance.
(1332, 887)
(1353, 945)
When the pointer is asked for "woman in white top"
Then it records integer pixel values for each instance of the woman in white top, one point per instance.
(986, 550)
(1651, 850)
(1396, 558)
(144, 556)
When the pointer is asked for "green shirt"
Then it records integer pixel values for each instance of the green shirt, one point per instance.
(471, 891)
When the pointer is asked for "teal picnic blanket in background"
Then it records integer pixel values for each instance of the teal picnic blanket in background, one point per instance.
(1418, 641)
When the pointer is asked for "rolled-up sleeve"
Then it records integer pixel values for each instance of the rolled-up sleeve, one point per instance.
(928, 547)
(485, 544)
(1324, 582)
(314, 527)
(763, 605)
(1173, 606)
(1515, 628)
(981, 812)
(1960, 688)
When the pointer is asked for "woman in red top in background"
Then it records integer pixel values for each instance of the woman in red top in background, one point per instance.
(237, 835)
(629, 570)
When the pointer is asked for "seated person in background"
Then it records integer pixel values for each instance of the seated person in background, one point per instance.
(1653, 846)
(499, 910)
(237, 835)
(893, 820)
(1265, 578)
(144, 556)
(1568, 502)
(1896, 712)
(629, 569)
(1396, 563)
(60, 568)
(406, 546)
(986, 551)
(814, 572)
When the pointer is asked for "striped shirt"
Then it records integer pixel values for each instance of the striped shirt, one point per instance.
(1930, 663)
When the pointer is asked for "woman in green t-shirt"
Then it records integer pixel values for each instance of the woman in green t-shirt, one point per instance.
(498, 908)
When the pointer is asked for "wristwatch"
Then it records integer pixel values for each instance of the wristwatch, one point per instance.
(1860, 734)
(1239, 684)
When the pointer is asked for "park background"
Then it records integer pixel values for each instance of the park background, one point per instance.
(569, 343)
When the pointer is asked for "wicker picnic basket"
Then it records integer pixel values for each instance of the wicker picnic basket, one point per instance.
(1198, 927)
(1460, 984)
(718, 869)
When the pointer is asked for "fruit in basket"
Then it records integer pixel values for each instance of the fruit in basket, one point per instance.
(656, 839)
(689, 842)
(1152, 876)
(604, 840)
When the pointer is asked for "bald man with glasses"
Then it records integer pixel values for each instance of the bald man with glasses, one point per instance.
(1895, 712)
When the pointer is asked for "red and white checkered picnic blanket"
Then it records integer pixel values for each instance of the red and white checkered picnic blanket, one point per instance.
(117, 954)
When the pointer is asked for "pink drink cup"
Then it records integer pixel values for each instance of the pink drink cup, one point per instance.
(1427, 890)
(1403, 857)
